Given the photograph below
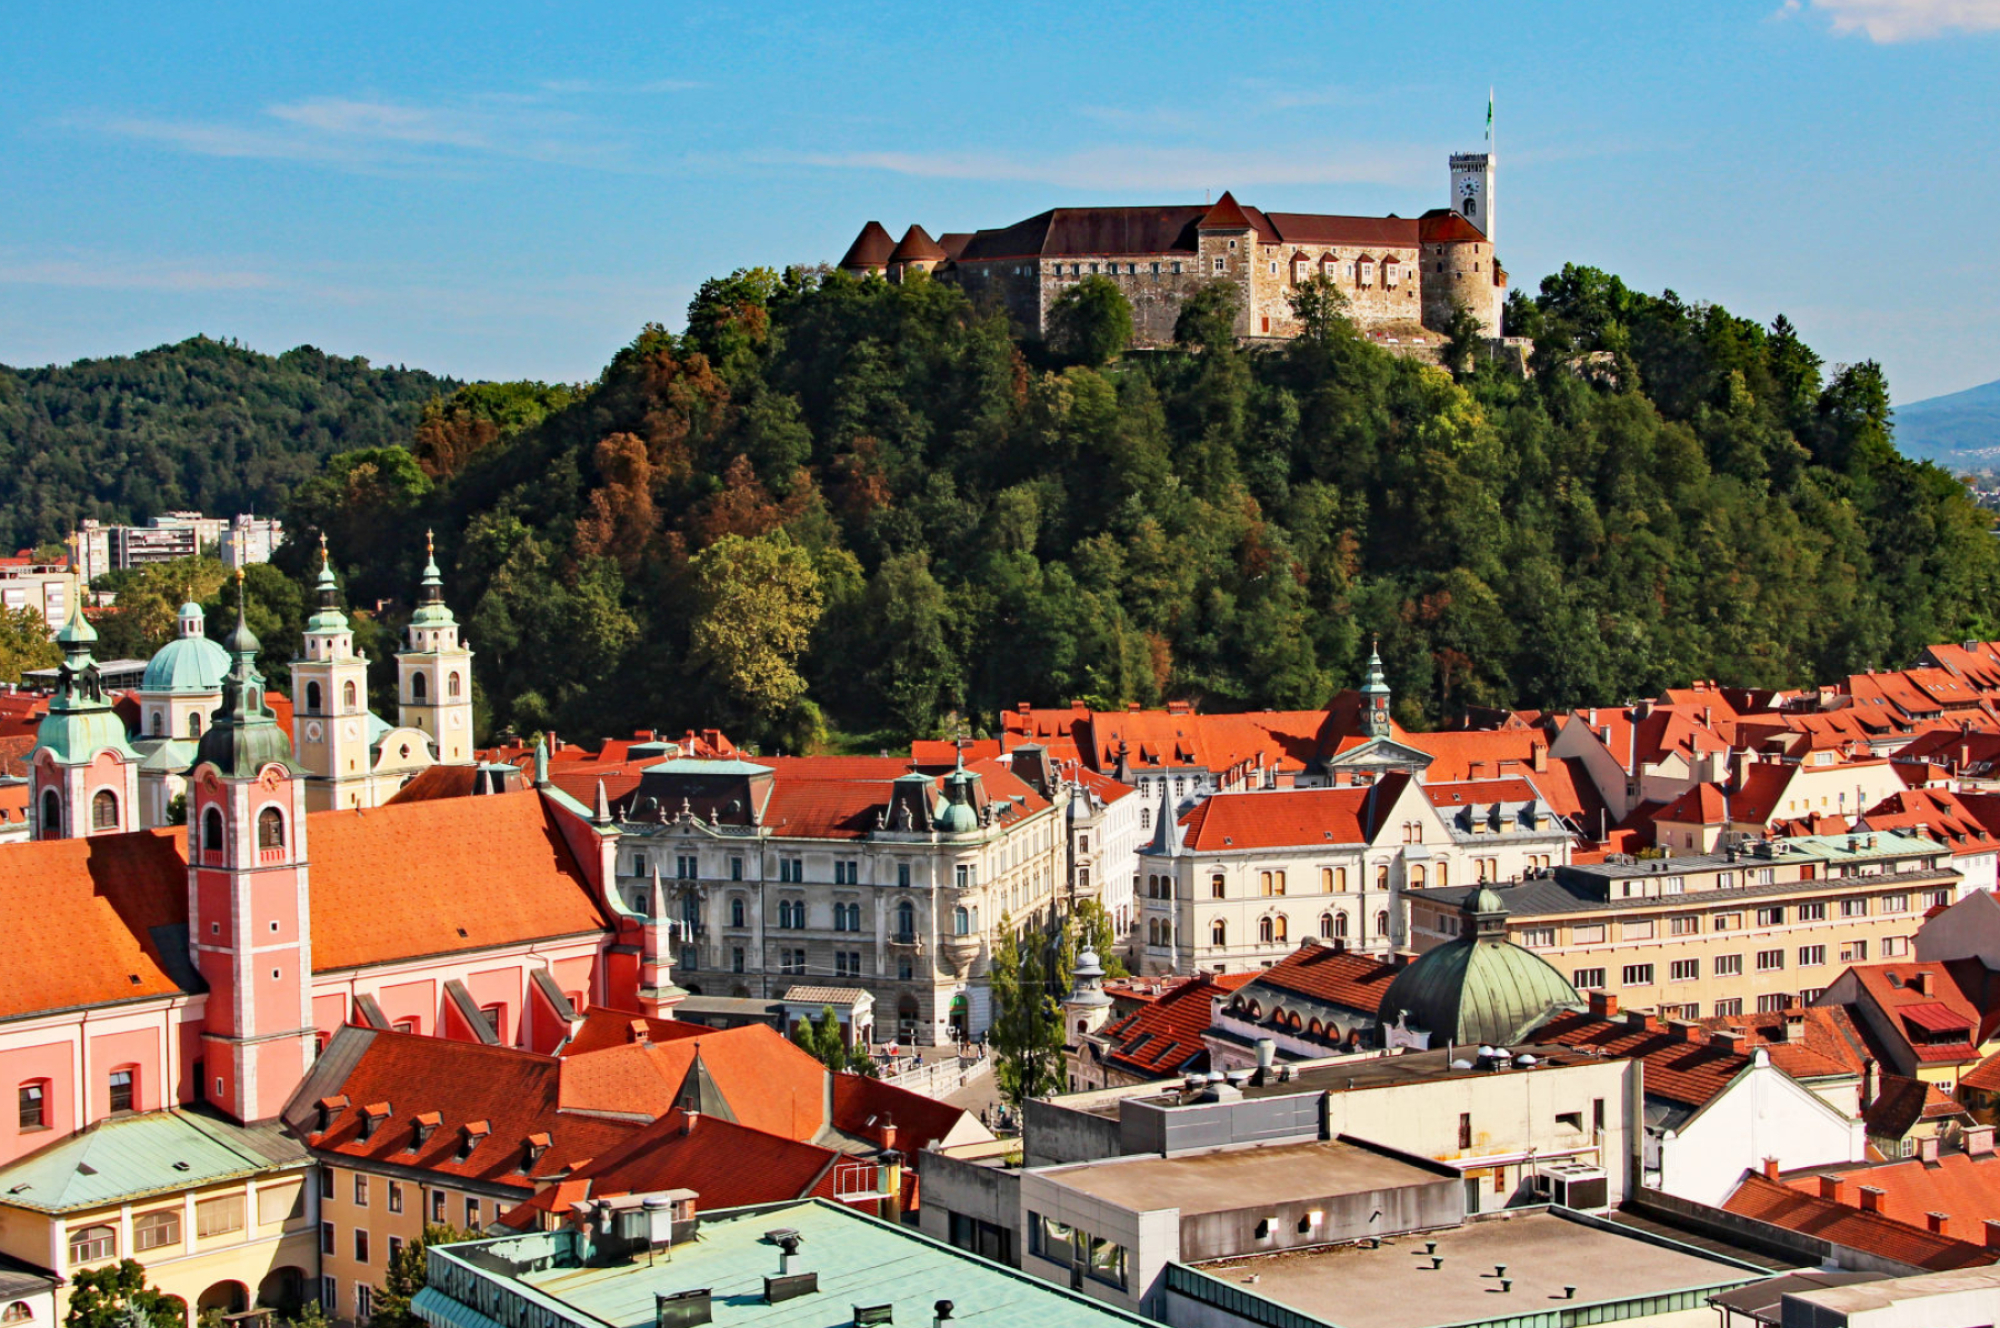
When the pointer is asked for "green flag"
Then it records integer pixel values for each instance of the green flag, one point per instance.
(1489, 114)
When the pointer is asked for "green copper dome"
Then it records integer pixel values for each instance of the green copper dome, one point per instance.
(431, 609)
(245, 736)
(190, 664)
(957, 816)
(1479, 988)
(328, 618)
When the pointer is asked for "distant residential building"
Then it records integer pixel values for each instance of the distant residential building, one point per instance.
(1764, 928)
(50, 589)
(102, 547)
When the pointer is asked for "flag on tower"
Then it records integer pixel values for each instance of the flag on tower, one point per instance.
(1489, 115)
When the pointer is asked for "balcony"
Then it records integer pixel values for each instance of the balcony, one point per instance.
(959, 952)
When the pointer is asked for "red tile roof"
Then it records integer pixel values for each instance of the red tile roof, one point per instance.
(1784, 1206)
(1338, 977)
(1703, 804)
(768, 1083)
(1690, 1073)
(1812, 1042)
(1226, 215)
(514, 1092)
(1163, 1037)
(1957, 989)
(1965, 1189)
(1277, 819)
(437, 877)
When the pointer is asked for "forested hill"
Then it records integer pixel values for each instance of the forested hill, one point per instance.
(202, 424)
(864, 503)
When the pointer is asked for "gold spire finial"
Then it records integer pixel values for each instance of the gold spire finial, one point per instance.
(430, 545)
(323, 559)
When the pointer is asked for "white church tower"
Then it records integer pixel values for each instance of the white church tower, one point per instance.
(435, 673)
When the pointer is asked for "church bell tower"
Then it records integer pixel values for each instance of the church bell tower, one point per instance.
(434, 674)
(330, 704)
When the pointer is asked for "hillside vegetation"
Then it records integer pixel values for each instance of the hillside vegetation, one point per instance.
(1961, 430)
(202, 424)
(845, 501)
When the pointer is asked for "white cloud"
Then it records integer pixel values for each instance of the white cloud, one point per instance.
(103, 272)
(1163, 169)
(1885, 21)
(387, 136)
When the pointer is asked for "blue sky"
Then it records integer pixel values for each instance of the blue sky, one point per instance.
(511, 190)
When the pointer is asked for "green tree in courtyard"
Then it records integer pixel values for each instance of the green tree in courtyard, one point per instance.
(407, 1274)
(118, 1296)
(1027, 1032)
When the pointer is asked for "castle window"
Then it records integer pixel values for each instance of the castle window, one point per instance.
(1274, 267)
(1218, 263)
(1093, 269)
(1177, 269)
(270, 828)
(159, 725)
(1156, 269)
(211, 831)
(1471, 207)
(312, 698)
(104, 810)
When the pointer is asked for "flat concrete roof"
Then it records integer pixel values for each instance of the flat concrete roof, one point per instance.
(1394, 1286)
(1901, 1290)
(1231, 1178)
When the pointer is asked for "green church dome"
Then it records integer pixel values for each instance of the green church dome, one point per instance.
(190, 664)
(1479, 988)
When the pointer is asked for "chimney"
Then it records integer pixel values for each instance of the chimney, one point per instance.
(638, 1032)
(1538, 756)
(1978, 1140)
(1603, 1005)
(1871, 1198)
(1795, 1027)
(1919, 982)
(1927, 1151)
(1992, 1233)
(1833, 1188)
(1939, 1223)
(1684, 1030)
(1643, 1019)
(1871, 1082)
(1726, 1039)
(888, 1133)
(1770, 1168)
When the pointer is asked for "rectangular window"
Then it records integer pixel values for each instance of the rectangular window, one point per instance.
(1107, 1262)
(1638, 975)
(736, 869)
(687, 867)
(1684, 926)
(1854, 908)
(1177, 269)
(326, 1244)
(1588, 934)
(1728, 966)
(361, 1245)
(1811, 994)
(1464, 1130)
(1538, 938)
(281, 1203)
(1729, 1007)
(395, 1196)
(326, 1182)
(1895, 903)
(364, 1302)
(1218, 263)
(1773, 1003)
(218, 1216)
(1812, 956)
(1729, 922)
(329, 1295)
(1771, 917)
(395, 1248)
(151, 1231)
(1895, 947)
(1684, 970)
(360, 1190)
(121, 1090)
(437, 1206)
(1814, 911)
(1640, 929)
(736, 959)
(495, 1017)
(1769, 961)
(1587, 979)
(471, 1214)
(1854, 952)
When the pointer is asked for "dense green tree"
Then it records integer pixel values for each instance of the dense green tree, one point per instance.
(1091, 322)
(1092, 927)
(25, 644)
(757, 601)
(408, 1273)
(117, 1295)
(1027, 1030)
(823, 1040)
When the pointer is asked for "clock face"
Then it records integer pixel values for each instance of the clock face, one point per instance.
(1469, 186)
(353, 729)
(312, 731)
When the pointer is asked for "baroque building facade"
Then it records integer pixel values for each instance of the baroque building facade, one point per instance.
(1401, 278)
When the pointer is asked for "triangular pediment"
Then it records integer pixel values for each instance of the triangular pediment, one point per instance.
(1380, 754)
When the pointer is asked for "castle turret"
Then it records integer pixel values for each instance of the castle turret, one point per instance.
(915, 252)
(1087, 1007)
(1227, 242)
(869, 254)
(435, 672)
(249, 923)
(85, 774)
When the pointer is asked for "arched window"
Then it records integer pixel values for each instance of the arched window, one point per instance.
(104, 810)
(451, 684)
(1282, 927)
(1382, 924)
(90, 1244)
(1218, 933)
(51, 815)
(1145, 818)
(1340, 926)
(1264, 883)
(961, 920)
(159, 725)
(211, 831)
(1264, 931)
(194, 725)
(1382, 878)
(419, 688)
(1444, 875)
(1416, 878)
(270, 828)
(906, 921)
(18, 1312)
(1326, 926)
(736, 912)
(347, 695)
(1471, 207)
(312, 698)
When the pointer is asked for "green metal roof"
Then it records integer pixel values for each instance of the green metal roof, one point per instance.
(1479, 988)
(860, 1260)
(689, 765)
(186, 665)
(130, 1157)
(80, 722)
(245, 737)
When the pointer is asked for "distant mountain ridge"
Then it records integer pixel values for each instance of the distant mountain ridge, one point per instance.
(1961, 429)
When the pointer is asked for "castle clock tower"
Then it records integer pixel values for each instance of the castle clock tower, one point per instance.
(330, 704)
(1472, 190)
(249, 927)
(434, 692)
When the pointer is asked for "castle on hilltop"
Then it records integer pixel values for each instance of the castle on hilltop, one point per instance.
(1402, 276)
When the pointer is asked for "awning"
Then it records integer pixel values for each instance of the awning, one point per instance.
(437, 1309)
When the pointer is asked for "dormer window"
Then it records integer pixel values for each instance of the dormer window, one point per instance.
(329, 1111)
(424, 1126)
(468, 1139)
(532, 1149)
(371, 1117)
